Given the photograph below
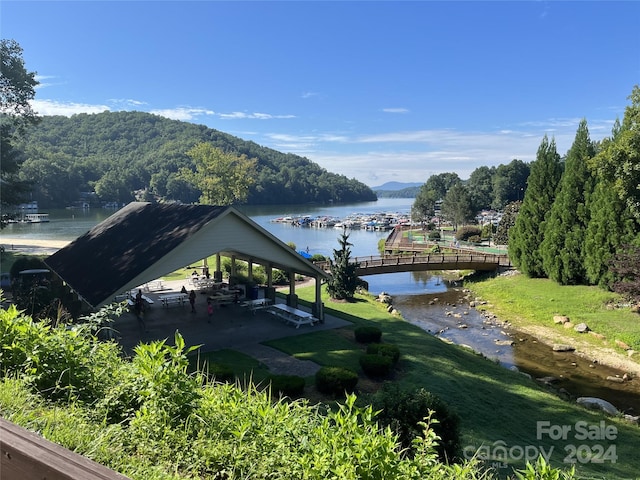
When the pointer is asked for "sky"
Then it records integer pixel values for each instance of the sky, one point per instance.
(377, 91)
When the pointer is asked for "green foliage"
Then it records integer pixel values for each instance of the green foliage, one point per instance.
(119, 153)
(619, 158)
(457, 207)
(336, 380)
(16, 113)
(403, 411)
(508, 220)
(565, 229)
(318, 257)
(385, 349)
(367, 334)
(376, 366)
(509, 183)
(541, 470)
(465, 234)
(286, 385)
(223, 178)
(343, 282)
(526, 236)
(434, 236)
(164, 388)
(56, 361)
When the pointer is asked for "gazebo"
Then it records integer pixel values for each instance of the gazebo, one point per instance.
(145, 241)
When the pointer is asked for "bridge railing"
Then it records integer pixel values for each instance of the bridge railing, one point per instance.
(428, 258)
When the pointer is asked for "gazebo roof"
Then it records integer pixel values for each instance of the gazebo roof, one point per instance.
(144, 241)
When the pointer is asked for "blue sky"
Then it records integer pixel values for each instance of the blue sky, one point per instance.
(377, 91)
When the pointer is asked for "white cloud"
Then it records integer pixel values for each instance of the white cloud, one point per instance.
(256, 115)
(395, 110)
(184, 114)
(52, 107)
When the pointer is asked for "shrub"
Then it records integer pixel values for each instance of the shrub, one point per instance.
(318, 257)
(385, 349)
(336, 380)
(403, 410)
(220, 373)
(286, 385)
(368, 334)
(465, 233)
(375, 365)
(434, 236)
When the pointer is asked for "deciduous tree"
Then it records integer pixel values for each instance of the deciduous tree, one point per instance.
(17, 89)
(223, 178)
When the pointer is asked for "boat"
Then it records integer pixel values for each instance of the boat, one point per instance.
(36, 218)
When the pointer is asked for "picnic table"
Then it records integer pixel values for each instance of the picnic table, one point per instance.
(173, 299)
(256, 304)
(293, 315)
(220, 298)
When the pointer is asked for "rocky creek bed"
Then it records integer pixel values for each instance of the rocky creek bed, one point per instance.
(571, 369)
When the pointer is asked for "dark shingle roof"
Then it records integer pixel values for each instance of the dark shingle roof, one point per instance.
(100, 262)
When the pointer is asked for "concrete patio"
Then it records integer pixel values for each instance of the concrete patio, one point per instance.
(232, 327)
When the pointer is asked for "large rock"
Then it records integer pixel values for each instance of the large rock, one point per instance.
(561, 347)
(597, 404)
(581, 328)
(560, 319)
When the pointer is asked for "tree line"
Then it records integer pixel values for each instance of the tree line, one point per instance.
(574, 219)
(123, 156)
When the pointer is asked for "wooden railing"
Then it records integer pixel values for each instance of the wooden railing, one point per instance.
(376, 264)
(27, 456)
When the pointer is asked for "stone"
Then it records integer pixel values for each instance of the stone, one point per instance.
(597, 404)
(611, 378)
(581, 328)
(568, 325)
(560, 319)
(622, 345)
(599, 336)
(504, 343)
(561, 347)
(547, 380)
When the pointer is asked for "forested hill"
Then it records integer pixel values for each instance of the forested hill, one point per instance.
(115, 154)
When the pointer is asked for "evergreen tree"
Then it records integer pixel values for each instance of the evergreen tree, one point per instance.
(527, 234)
(611, 225)
(565, 229)
(507, 221)
(343, 281)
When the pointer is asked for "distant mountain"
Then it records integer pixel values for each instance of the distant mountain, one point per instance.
(393, 186)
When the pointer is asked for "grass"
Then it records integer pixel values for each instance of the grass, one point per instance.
(244, 366)
(495, 404)
(526, 301)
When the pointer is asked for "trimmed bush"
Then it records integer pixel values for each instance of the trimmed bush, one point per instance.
(336, 380)
(402, 410)
(434, 236)
(368, 334)
(467, 232)
(286, 385)
(386, 350)
(375, 365)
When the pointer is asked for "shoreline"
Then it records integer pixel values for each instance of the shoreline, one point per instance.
(32, 246)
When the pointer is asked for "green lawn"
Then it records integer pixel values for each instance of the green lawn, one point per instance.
(495, 404)
(527, 301)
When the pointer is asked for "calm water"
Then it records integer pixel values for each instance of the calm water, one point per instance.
(426, 300)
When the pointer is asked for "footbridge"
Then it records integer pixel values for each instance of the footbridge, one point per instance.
(389, 263)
